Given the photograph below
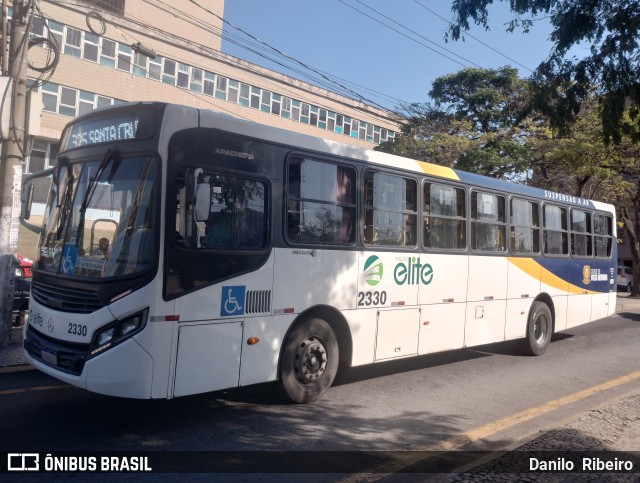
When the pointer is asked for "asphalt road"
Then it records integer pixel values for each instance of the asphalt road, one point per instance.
(486, 398)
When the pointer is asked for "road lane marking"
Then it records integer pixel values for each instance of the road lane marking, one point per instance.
(24, 390)
(412, 457)
(528, 414)
(18, 368)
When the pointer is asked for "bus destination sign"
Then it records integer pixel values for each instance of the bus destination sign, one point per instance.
(102, 130)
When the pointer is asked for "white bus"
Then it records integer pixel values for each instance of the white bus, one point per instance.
(184, 251)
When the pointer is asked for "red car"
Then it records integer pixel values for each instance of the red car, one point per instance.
(23, 266)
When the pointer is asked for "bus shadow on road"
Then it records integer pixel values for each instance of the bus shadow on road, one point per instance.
(634, 316)
(348, 375)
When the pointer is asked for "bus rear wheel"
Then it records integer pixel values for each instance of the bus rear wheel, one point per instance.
(539, 329)
(309, 361)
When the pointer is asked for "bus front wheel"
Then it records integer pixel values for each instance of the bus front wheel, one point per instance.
(539, 329)
(309, 361)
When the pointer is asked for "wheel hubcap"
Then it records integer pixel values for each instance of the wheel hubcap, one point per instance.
(311, 360)
(540, 328)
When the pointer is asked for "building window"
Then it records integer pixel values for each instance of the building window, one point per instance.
(50, 96)
(169, 72)
(37, 27)
(68, 100)
(86, 102)
(111, 6)
(90, 47)
(265, 106)
(221, 87)
(286, 108)
(295, 110)
(104, 101)
(304, 113)
(233, 91)
(183, 75)
(73, 42)
(196, 80)
(124, 58)
(276, 104)
(140, 65)
(108, 53)
(155, 68)
(255, 97)
(245, 90)
(56, 30)
(209, 83)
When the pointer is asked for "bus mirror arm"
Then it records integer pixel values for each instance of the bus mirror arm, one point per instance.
(26, 198)
(203, 201)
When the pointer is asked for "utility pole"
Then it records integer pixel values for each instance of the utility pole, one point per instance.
(12, 158)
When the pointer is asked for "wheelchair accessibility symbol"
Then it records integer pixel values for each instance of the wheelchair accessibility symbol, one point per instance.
(232, 300)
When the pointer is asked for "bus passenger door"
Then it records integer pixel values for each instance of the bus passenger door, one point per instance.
(208, 357)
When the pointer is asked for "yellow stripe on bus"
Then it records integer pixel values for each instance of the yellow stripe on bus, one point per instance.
(437, 170)
(533, 268)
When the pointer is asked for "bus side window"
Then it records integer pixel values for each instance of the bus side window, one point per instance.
(321, 202)
(444, 222)
(488, 223)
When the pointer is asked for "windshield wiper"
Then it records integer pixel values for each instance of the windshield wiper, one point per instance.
(93, 183)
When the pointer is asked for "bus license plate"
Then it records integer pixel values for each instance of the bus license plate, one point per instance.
(49, 356)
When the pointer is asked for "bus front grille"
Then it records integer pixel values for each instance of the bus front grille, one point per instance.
(73, 300)
(64, 356)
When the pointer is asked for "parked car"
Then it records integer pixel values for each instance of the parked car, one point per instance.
(625, 278)
(21, 300)
(23, 266)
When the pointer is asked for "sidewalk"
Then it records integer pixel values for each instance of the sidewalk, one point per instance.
(13, 354)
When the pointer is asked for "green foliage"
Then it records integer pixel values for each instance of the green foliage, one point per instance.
(475, 124)
(611, 71)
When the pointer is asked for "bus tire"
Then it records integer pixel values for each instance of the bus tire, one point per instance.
(539, 329)
(309, 361)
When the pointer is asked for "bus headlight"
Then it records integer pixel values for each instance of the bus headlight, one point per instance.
(117, 332)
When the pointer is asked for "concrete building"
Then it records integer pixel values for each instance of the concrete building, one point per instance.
(97, 65)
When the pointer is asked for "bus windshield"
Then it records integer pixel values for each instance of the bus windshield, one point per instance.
(100, 218)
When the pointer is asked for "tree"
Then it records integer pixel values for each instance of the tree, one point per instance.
(432, 135)
(475, 124)
(612, 69)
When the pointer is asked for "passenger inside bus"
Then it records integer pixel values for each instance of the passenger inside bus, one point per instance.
(103, 247)
(218, 230)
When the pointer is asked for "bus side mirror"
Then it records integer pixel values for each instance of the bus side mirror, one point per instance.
(35, 191)
(203, 201)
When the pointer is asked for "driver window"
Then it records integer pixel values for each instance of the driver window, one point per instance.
(236, 217)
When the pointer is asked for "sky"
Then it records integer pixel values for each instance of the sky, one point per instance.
(387, 66)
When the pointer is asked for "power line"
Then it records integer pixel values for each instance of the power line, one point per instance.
(251, 47)
(306, 66)
(475, 38)
(244, 44)
(213, 53)
(409, 37)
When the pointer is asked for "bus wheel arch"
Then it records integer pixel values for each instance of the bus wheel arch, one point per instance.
(311, 353)
(540, 326)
